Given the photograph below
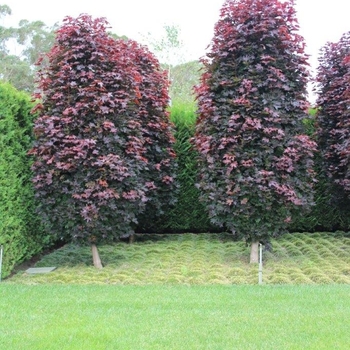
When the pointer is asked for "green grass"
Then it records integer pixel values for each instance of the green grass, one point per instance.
(183, 292)
(174, 317)
(183, 112)
(199, 259)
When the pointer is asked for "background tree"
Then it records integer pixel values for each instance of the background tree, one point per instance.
(5, 33)
(35, 39)
(91, 151)
(168, 47)
(333, 117)
(27, 42)
(255, 163)
(183, 77)
(168, 50)
(17, 72)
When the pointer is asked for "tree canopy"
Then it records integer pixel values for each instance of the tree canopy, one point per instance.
(333, 115)
(256, 164)
(103, 136)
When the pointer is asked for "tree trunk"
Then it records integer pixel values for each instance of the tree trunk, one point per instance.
(131, 238)
(96, 257)
(254, 252)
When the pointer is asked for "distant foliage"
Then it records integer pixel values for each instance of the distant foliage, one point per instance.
(20, 48)
(20, 231)
(255, 161)
(183, 78)
(333, 117)
(102, 115)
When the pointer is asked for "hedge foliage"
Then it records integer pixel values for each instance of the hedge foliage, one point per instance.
(20, 231)
(188, 214)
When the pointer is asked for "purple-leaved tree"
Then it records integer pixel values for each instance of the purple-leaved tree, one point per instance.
(92, 161)
(333, 116)
(256, 164)
(157, 131)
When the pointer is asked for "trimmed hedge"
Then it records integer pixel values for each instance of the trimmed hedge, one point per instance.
(188, 214)
(325, 215)
(20, 232)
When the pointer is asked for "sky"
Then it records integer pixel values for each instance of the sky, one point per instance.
(320, 21)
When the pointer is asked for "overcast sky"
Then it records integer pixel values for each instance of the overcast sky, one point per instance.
(320, 20)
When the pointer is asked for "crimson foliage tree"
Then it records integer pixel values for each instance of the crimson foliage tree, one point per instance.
(255, 163)
(157, 132)
(92, 166)
(333, 116)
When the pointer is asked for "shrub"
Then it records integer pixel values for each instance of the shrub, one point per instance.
(255, 162)
(20, 231)
(93, 150)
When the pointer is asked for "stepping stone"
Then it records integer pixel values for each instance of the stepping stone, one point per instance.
(40, 269)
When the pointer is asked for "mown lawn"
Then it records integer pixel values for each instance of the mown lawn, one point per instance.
(174, 317)
(184, 292)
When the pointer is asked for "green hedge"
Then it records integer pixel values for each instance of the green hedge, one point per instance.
(327, 214)
(188, 214)
(20, 232)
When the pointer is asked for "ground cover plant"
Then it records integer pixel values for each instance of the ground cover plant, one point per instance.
(200, 259)
(255, 161)
(189, 290)
(174, 317)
